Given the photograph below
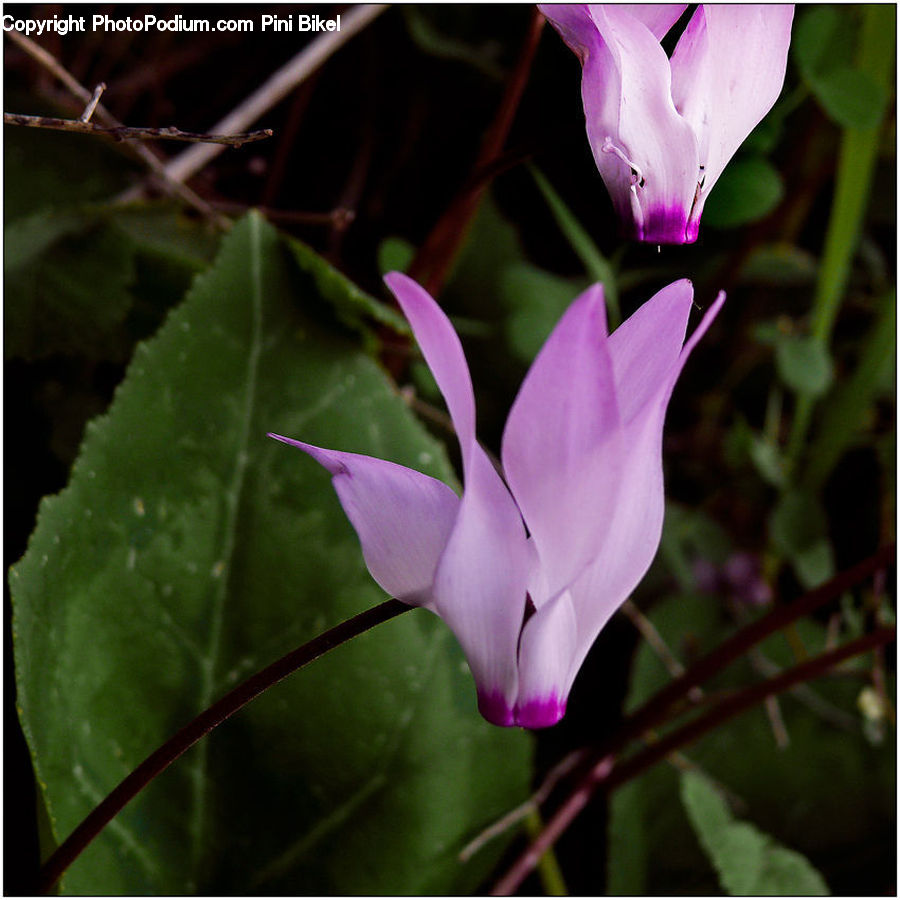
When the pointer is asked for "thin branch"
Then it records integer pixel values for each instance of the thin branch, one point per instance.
(658, 645)
(92, 104)
(655, 710)
(564, 767)
(605, 775)
(742, 700)
(293, 73)
(804, 694)
(49, 62)
(125, 133)
(210, 718)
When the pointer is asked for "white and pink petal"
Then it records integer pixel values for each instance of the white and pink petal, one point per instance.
(562, 447)
(402, 517)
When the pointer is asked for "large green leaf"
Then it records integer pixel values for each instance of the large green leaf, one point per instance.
(746, 860)
(188, 551)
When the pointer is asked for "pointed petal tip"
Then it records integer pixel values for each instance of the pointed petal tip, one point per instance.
(395, 280)
(327, 458)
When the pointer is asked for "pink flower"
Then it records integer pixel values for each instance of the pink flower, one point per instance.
(526, 572)
(662, 130)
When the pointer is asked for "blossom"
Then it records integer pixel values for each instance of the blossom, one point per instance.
(662, 130)
(526, 572)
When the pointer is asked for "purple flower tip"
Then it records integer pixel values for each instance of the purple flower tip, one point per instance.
(495, 709)
(541, 713)
(662, 225)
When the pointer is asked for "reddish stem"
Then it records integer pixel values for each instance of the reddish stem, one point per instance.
(432, 263)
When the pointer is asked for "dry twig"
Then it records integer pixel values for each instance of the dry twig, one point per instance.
(126, 133)
(50, 63)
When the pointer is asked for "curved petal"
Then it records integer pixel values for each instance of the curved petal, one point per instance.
(562, 446)
(645, 151)
(481, 585)
(481, 580)
(403, 518)
(574, 23)
(727, 72)
(444, 355)
(647, 345)
(637, 520)
(658, 17)
(546, 654)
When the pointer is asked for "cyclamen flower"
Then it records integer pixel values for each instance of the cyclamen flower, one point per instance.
(662, 130)
(527, 572)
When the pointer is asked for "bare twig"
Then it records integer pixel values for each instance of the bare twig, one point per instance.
(564, 767)
(49, 62)
(658, 645)
(126, 133)
(275, 89)
(804, 694)
(776, 722)
(92, 104)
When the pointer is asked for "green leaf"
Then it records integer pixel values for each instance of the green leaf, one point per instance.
(627, 850)
(353, 306)
(823, 47)
(843, 417)
(768, 460)
(596, 265)
(394, 255)
(67, 280)
(748, 190)
(746, 860)
(796, 528)
(87, 281)
(851, 98)
(804, 364)
(431, 40)
(821, 39)
(536, 300)
(164, 232)
(779, 264)
(188, 551)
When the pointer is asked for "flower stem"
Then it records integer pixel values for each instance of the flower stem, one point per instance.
(548, 867)
(227, 706)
